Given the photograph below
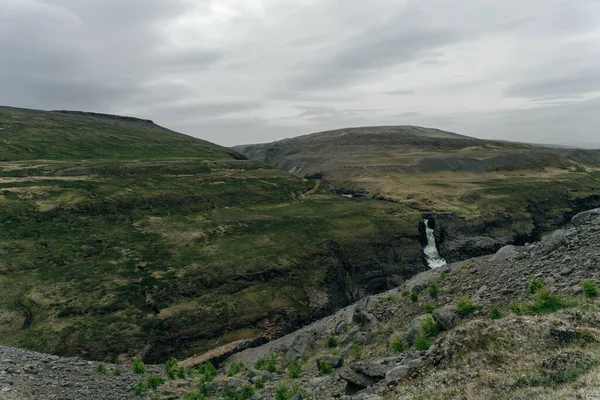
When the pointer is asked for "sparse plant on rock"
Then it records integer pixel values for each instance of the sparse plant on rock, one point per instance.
(267, 364)
(100, 369)
(172, 369)
(535, 284)
(325, 367)
(153, 382)
(294, 369)
(398, 345)
(421, 342)
(414, 296)
(429, 327)
(495, 313)
(235, 368)
(356, 351)
(590, 288)
(117, 371)
(194, 396)
(331, 341)
(140, 387)
(428, 308)
(259, 384)
(464, 306)
(138, 366)
(433, 288)
(405, 293)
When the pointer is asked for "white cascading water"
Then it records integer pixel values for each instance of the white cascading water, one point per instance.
(433, 256)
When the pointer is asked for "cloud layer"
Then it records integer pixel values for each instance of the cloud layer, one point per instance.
(240, 71)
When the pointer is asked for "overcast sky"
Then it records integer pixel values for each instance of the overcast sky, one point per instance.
(247, 71)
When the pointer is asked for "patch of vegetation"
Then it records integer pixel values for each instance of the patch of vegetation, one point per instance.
(464, 306)
(590, 288)
(398, 345)
(544, 303)
(428, 308)
(535, 285)
(421, 342)
(235, 368)
(331, 341)
(433, 288)
(325, 367)
(429, 327)
(140, 387)
(405, 293)
(559, 370)
(117, 371)
(356, 351)
(495, 313)
(414, 296)
(294, 369)
(138, 366)
(194, 396)
(259, 384)
(100, 369)
(282, 392)
(267, 364)
(153, 382)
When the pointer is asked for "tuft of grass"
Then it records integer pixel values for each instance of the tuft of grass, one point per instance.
(433, 288)
(428, 308)
(405, 293)
(331, 341)
(494, 313)
(398, 345)
(138, 366)
(194, 396)
(590, 288)
(464, 306)
(140, 387)
(294, 369)
(173, 371)
(429, 327)
(356, 351)
(117, 371)
(235, 368)
(325, 367)
(535, 284)
(259, 384)
(414, 296)
(153, 382)
(267, 364)
(100, 369)
(246, 393)
(421, 342)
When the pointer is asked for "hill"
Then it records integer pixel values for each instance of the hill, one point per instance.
(74, 135)
(499, 192)
(122, 239)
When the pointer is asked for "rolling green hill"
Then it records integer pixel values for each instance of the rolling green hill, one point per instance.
(119, 238)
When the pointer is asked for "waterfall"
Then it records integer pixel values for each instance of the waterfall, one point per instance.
(431, 252)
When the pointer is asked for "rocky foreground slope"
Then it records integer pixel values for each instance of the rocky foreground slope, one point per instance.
(517, 324)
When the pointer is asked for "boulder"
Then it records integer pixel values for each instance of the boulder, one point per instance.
(585, 216)
(415, 328)
(509, 252)
(394, 374)
(445, 316)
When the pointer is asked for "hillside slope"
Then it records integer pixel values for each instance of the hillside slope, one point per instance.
(499, 192)
(180, 248)
(72, 135)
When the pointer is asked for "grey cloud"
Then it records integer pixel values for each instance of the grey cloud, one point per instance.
(400, 92)
(409, 114)
(574, 84)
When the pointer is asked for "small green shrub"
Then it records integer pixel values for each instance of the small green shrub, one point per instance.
(428, 308)
(246, 393)
(516, 308)
(464, 266)
(117, 371)
(495, 313)
(535, 284)
(464, 306)
(173, 371)
(268, 364)
(235, 368)
(356, 351)
(140, 387)
(398, 345)
(442, 275)
(259, 384)
(414, 296)
(138, 366)
(331, 341)
(283, 393)
(294, 369)
(433, 288)
(590, 288)
(194, 396)
(421, 343)
(100, 369)
(153, 382)
(208, 370)
(429, 327)
(325, 367)
(405, 293)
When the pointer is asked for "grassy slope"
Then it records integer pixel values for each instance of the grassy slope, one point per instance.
(161, 257)
(511, 187)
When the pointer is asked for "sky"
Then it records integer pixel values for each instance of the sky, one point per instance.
(252, 71)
